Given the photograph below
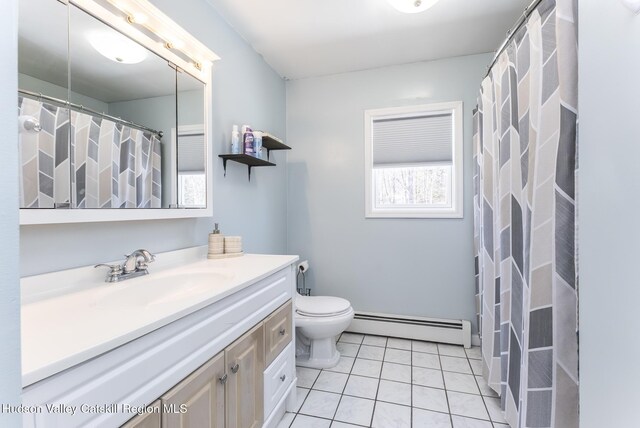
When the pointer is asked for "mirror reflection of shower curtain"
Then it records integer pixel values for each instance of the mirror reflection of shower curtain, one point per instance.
(100, 164)
(525, 156)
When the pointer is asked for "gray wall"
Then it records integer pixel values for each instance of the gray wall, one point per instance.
(245, 90)
(418, 267)
(609, 194)
(9, 285)
(33, 84)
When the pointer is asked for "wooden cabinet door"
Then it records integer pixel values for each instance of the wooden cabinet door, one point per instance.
(199, 400)
(148, 420)
(245, 366)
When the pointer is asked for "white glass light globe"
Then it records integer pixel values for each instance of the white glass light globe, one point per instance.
(117, 48)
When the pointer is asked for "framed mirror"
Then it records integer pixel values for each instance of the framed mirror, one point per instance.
(113, 114)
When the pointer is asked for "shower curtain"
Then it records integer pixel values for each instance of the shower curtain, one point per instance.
(86, 161)
(525, 151)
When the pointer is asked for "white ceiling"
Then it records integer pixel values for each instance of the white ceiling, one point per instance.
(303, 38)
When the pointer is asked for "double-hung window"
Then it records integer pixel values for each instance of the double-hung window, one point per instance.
(413, 161)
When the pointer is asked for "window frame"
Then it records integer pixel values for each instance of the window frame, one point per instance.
(457, 165)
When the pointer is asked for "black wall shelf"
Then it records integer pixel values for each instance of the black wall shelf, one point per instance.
(270, 142)
(248, 160)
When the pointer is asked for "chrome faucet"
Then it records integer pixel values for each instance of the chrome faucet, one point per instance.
(135, 264)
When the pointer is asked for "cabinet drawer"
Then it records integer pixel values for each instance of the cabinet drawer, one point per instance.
(277, 330)
(277, 378)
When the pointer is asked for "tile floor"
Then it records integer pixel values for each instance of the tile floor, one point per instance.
(385, 382)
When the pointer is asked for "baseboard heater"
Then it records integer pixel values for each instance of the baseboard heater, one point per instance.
(456, 332)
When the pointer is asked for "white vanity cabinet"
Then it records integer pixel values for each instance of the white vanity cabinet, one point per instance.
(245, 335)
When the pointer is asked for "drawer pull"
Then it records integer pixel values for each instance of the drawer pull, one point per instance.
(235, 368)
(282, 331)
(283, 377)
(223, 379)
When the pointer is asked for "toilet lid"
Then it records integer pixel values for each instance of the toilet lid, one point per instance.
(321, 305)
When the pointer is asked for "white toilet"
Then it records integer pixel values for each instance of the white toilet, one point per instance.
(319, 319)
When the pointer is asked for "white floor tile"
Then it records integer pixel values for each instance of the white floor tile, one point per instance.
(428, 419)
(388, 415)
(375, 341)
(394, 392)
(352, 338)
(303, 421)
(344, 365)
(355, 410)
(320, 403)
(451, 350)
(371, 352)
(360, 386)
(430, 399)
(306, 376)
(476, 367)
(399, 343)
(467, 405)
(397, 356)
(462, 422)
(455, 364)
(286, 420)
(332, 381)
(397, 372)
(428, 347)
(368, 368)
(427, 377)
(336, 424)
(301, 395)
(459, 382)
(474, 353)
(347, 349)
(495, 411)
(430, 361)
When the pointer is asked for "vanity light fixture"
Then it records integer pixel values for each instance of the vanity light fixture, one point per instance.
(117, 47)
(412, 6)
(139, 15)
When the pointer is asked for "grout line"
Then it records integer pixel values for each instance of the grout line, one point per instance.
(375, 399)
(411, 380)
(446, 394)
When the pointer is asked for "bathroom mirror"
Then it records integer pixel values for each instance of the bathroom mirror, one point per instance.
(113, 122)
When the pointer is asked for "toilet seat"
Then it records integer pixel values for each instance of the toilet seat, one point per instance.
(321, 306)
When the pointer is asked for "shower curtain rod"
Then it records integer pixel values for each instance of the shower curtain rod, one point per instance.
(81, 108)
(523, 18)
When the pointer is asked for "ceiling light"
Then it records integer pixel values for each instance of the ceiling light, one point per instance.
(412, 6)
(117, 48)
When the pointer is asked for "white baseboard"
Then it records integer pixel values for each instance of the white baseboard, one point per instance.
(475, 340)
(456, 332)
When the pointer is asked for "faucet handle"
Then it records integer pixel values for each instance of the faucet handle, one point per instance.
(114, 272)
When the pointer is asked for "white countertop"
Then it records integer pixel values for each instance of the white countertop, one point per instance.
(71, 316)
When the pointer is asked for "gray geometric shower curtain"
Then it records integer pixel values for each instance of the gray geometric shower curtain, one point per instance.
(525, 152)
(86, 161)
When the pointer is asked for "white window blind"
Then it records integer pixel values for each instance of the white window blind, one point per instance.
(191, 153)
(411, 140)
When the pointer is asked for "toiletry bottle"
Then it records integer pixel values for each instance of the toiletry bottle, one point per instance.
(247, 140)
(235, 140)
(257, 143)
(216, 243)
